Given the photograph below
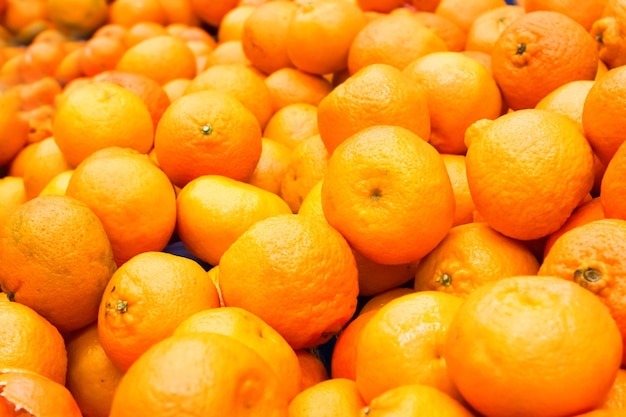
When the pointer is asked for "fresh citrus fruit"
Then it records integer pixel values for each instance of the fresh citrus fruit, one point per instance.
(371, 180)
(46, 162)
(449, 32)
(58, 184)
(375, 278)
(312, 367)
(568, 100)
(291, 85)
(463, 13)
(457, 171)
(231, 27)
(13, 128)
(270, 169)
(212, 12)
(608, 33)
(343, 358)
(334, 397)
(504, 336)
(12, 195)
(485, 30)
(616, 397)
(129, 12)
(585, 13)
(613, 186)
(292, 124)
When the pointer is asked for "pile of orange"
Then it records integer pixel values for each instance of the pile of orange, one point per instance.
(298, 208)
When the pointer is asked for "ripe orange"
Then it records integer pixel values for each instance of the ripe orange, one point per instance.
(300, 264)
(144, 198)
(204, 133)
(394, 39)
(320, 34)
(383, 298)
(264, 36)
(46, 162)
(58, 184)
(312, 204)
(335, 397)
(12, 195)
(212, 11)
(292, 124)
(77, 18)
(381, 6)
(520, 184)
(616, 397)
(608, 33)
(449, 32)
(539, 52)
(13, 128)
(402, 342)
(208, 374)
(249, 329)
(613, 186)
(343, 358)
(107, 114)
(568, 100)
(457, 171)
(129, 12)
(485, 30)
(377, 95)
(99, 54)
(146, 299)
(27, 393)
(271, 167)
(504, 337)
(291, 85)
(585, 13)
(230, 52)
(30, 342)
(142, 31)
(312, 367)
(375, 278)
(463, 13)
(56, 253)
(394, 182)
(213, 211)
(231, 27)
(459, 91)
(91, 376)
(471, 255)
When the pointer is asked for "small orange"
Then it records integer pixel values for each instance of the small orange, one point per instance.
(379, 94)
(539, 52)
(91, 376)
(514, 156)
(230, 52)
(471, 255)
(58, 183)
(211, 11)
(485, 30)
(13, 128)
(292, 124)
(100, 54)
(568, 100)
(383, 298)
(46, 162)
(375, 278)
(264, 36)
(503, 338)
(371, 180)
(231, 27)
(12, 195)
(271, 167)
(206, 133)
(18, 164)
(585, 13)
(77, 18)
(109, 115)
(208, 374)
(380, 6)
(449, 32)
(402, 343)
(30, 342)
(144, 301)
(343, 359)
(613, 186)
(129, 12)
(55, 252)
(213, 211)
(457, 171)
(142, 31)
(69, 67)
(40, 60)
(312, 204)
(463, 13)
(300, 264)
(291, 85)
(337, 397)
(176, 88)
(180, 11)
(320, 34)
(312, 367)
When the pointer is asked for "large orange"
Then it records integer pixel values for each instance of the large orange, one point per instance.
(388, 192)
(204, 133)
(379, 94)
(504, 339)
(142, 216)
(613, 185)
(206, 374)
(55, 252)
(539, 52)
(521, 185)
(295, 273)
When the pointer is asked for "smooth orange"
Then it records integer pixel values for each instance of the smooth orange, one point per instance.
(485, 30)
(231, 27)
(291, 85)
(613, 186)
(585, 13)
(13, 128)
(271, 167)
(312, 367)
(58, 184)
(457, 171)
(212, 11)
(12, 195)
(375, 277)
(463, 13)
(568, 100)
(292, 124)
(343, 358)
(128, 12)
(46, 162)
(335, 397)
(449, 32)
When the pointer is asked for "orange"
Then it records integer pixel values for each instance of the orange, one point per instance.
(18, 164)
(379, 94)
(539, 52)
(320, 34)
(521, 187)
(568, 100)
(306, 167)
(40, 60)
(27, 393)
(91, 376)
(302, 265)
(391, 180)
(13, 128)
(616, 397)
(107, 114)
(381, 6)
(58, 184)
(206, 133)
(271, 167)
(149, 91)
(264, 35)
(162, 58)
(12, 195)
(413, 400)
(77, 18)
(178, 11)
(589, 256)
(144, 198)
(100, 54)
(375, 278)
(331, 398)
(291, 85)
(613, 186)
(21, 15)
(47, 161)
(464, 13)
(343, 359)
(449, 32)
(69, 67)
(231, 27)
(30, 342)
(56, 253)
(312, 204)
(129, 12)
(402, 343)
(457, 171)
(176, 88)
(142, 31)
(381, 299)
(603, 103)
(394, 39)
(585, 13)
(212, 11)
(470, 256)
(312, 367)
(213, 211)
(485, 30)
(459, 91)
(230, 52)
(240, 82)
(503, 338)
(254, 333)
(146, 298)
(208, 374)
(292, 124)
(608, 33)
(585, 213)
